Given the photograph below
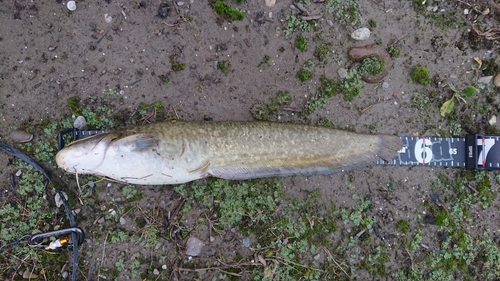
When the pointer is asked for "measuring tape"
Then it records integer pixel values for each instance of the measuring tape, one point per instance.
(477, 152)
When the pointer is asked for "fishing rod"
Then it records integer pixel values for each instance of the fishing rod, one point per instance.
(475, 151)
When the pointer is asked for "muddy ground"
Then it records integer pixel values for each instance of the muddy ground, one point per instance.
(113, 62)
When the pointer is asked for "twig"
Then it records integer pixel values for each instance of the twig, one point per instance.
(411, 258)
(336, 263)
(492, 34)
(103, 255)
(397, 40)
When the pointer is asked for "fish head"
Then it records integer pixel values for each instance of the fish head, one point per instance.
(85, 155)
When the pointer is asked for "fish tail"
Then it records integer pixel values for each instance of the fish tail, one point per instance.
(389, 147)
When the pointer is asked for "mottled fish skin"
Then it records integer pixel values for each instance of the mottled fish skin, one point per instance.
(178, 152)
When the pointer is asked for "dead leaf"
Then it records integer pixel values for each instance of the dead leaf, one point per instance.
(262, 260)
(447, 107)
(29, 275)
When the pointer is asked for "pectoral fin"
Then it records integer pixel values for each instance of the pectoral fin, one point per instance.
(136, 143)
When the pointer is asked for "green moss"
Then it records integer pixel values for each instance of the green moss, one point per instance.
(74, 105)
(304, 74)
(259, 112)
(372, 23)
(301, 43)
(393, 51)
(177, 66)
(421, 75)
(228, 12)
(265, 60)
(403, 226)
(322, 51)
(224, 66)
(441, 217)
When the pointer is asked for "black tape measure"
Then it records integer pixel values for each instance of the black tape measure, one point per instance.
(478, 152)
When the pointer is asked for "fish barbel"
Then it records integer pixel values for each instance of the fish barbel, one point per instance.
(178, 152)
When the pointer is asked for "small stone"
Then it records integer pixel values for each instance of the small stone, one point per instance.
(493, 120)
(180, 3)
(65, 275)
(342, 73)
(435, 9)
(212, 239)
(361, 34)
(123, 221)
(164, 267)
(194, 246)
(80, 122)
(485, 80)
(101, 220)
(156, 272)
(246, 242)
(317, 257)
(19, 173)
(496, 80)
(71, 5)
(385, 85)
(108, 18)
(466, 11)
(91, 184)
(20, 136)
(270, 3)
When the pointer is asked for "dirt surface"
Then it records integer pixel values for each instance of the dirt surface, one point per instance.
(115, 59)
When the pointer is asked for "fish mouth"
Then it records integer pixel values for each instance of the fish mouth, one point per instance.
(85, 155)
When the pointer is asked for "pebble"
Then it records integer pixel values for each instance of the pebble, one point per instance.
(270, 3)
(91, 184)
(156, 272)
(385, 85)
(65, 274)
(493, 120)
(342, 72)
(108, 18)
(123, 221)
(101, 220)
(71, 5)
(496, 80)
(80, 122)
(164, 267)
(361, 34)
(20, 136)
(485, 80)
(180, 3)
(194, 246)
(246, 242)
